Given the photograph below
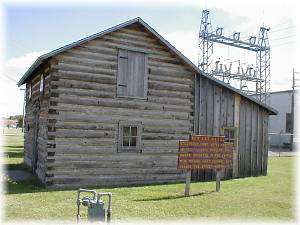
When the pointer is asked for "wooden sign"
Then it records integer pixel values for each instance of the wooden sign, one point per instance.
(205, 152)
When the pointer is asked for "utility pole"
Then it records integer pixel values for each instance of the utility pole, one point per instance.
(292, 111)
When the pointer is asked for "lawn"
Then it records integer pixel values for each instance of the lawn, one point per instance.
(262, 198)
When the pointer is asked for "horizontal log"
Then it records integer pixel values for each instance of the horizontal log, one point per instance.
(89, 53)
(115, 171)
(99, 49)
(84, 149)
(109, 44)
(171, 101)
(109, 63)
(168, 130)
(83, 76)
(123, 112)
(65, 133)
(173, 66)
(160, 150)
(102, 94)
(170, 72)
(159, 85)
(171, 79)
(161, 143)
(84, 85)
(112, 119)
(85, 126)
(80, 52)
(60, 163)
(161, 136)
(133, 37)
(131, 42)
(125, 177)
(120, 157)
(167, 93)
(134, 32)
(119, 103)
(84, 92)
(83, 65)
(167, 59)
(83, 141)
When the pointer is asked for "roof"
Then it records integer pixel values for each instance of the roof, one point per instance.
(284, 91)
(278, 92)
(43, 58)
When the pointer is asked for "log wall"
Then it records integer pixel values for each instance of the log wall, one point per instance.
(40, 102)
(86, 111)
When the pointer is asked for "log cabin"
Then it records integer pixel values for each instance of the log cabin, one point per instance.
(109, 110)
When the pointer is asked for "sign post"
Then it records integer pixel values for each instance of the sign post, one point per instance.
(187, 183)
(204, 152)
(218, 180)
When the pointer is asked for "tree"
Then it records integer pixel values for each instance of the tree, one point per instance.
(20, 121)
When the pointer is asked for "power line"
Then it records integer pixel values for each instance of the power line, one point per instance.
(285, 43)
(280, 24)
(277, 30)
(11, 79)
(283, 37)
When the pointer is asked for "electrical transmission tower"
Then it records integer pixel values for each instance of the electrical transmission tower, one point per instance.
(252, 80)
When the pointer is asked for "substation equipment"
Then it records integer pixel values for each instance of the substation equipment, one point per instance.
(95, 205)
(251, 80)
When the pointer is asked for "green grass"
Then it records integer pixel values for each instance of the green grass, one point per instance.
(14, 150)
(266, 198)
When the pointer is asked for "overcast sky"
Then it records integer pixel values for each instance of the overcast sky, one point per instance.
(31, 29)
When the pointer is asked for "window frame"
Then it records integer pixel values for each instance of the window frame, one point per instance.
(235, 133)
(146, 74)
(42, 84)
(130, 149)
(29, 91)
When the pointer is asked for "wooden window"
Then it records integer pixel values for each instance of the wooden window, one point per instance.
(230, 134)
(29, 91)
(129, 137)
(42, 84)
(132, 80)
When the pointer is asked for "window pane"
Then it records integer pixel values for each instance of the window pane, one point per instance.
(42, 84)
(126, 131)
(133, 131)
(126, 141)
(133, 142)
(226, 134)
(231, 136)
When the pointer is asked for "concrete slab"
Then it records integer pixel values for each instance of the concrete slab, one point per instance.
(275, 151)
(18, 175)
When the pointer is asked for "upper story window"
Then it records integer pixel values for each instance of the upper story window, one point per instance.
(42, 84)
(132, 80)
(29, 91)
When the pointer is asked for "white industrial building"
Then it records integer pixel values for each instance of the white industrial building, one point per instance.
(281, 126)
